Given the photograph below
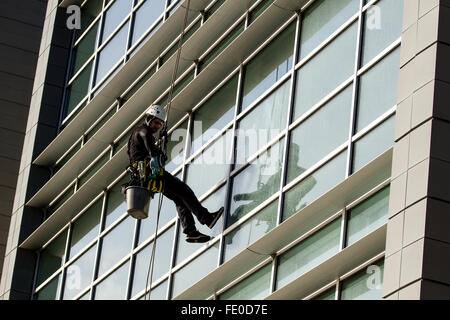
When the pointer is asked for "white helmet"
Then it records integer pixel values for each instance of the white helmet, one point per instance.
(156, 111)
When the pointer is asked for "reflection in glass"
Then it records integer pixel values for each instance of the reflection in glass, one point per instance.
(314, 185)
(309, 253)
(365, 285)
(163, 255)
(114, 287)
(383, 77)
(78, 89)
(195, 270)
(367, 216)
(84, 50)
(175, 147)
(51, 258)
(85, 228)
(268, 66)
(320, 134)
(322, 19)
(326, 71)
(116, 244)
(263, 123)
(251, 230)
(79, 274)
(256, 183)
(255, 287)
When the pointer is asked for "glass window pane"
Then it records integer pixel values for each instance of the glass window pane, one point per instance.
(85, 228)
(51, 258)
(146, 15)
(309, 253)
(115, 202)
(260, 8)
(114, 16)
(367, 216)
(51, 290)
(111, 53)
(256, 183)
(365, 285)
(195, 270)
(158, 293)
(383, 77)
(251, 230)
(263, 123)
(322, 19)
(373, 144)
(213, 203)
(84, 50)
(116, 244)
(313, 186)
(211, 166)
(326, 71)
(214, 114)
(115, 286)
(268, 66)
(163, 255)
(255, 287)
(79, 274)
(382, 26)
(175, 147)
(78, 89)
(320, 134)
(167, 213)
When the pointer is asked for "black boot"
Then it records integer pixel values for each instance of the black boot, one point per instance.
(196, 236)
(215, 216)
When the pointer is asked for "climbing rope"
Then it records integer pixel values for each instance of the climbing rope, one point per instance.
(160, 199)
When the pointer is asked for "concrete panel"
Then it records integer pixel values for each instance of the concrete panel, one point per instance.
(410, 13)
(397, 195)
(409, 44)
(423, 104)
(23, 36)
(410, 292)
(427, 29)
(438, 220)
(411, 265)
(391, 277)
(403, 117)
(394, 234)
(415, 217)
(420, 144)
(436, 261)
(439, 176)
(18, 61)
(35, 10)
(8, 173)
(400, 157)
(417, 184)
(434, 291)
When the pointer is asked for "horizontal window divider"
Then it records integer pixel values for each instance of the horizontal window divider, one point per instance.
(315, 167)
(49, 279)
(394, 45)
(82, 68)
(83, 251)
(120, 82)
(89, 28)
(70, 185)
(213, 189)
(254, 269)
(150, 239)
(317, 293)
(94, 162)
(251, 214)
(71, 116)
(100, 119)
(362, 266)
(374, 124)
(155, 283)
(369, 4)
(322, 102)
(265, 95)
(210, 142)
(286, 232)
(111, 270)
(101, 180)
(327, 41)
(195, 255)
(369, 194)
(69, 150)
(82, 293)
(101, 82)
(365, 249)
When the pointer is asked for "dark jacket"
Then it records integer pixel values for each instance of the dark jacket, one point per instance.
(141, 144)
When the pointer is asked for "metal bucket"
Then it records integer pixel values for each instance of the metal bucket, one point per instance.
(138, 201)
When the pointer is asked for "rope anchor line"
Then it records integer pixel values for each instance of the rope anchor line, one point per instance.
(148, 284)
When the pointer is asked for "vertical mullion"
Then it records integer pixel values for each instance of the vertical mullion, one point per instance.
(97, 254)
(353, 113)
(287, 140)
(232, 157)
(66, 258)
(92, 77)
(132, 259)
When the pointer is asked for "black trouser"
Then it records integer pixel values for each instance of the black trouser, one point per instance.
(186, 203)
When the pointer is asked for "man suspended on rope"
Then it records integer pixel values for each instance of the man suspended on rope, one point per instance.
(142, 146)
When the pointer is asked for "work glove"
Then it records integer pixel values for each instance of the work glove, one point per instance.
(154, 166)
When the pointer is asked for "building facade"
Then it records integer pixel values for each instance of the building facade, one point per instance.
(320, 125)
